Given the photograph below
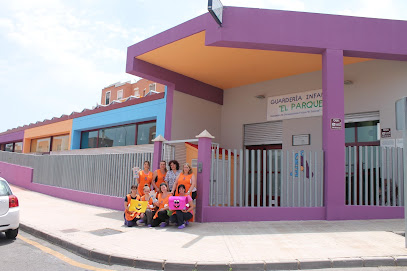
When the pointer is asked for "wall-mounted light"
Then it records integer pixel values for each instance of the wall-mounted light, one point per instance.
(261, 96)
(348, 82)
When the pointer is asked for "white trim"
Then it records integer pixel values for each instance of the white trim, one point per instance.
(121, 92)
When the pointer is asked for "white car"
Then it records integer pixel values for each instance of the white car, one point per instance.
(9, 211)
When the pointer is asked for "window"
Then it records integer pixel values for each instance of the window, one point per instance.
(4, 189)
(120, 94)
(361, 132)
(60, 143)
(119, 135)
(40, 145)
(89, 140)
(152, 87)
(107, 100)
(9, 147)
(18, 147)
(136, 92)
(146, 133)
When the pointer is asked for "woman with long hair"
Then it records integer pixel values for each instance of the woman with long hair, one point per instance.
(145, 178)
(188, 179)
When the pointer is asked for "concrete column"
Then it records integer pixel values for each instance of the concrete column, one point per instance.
(158, 148)
(333, 139)
(204, 174)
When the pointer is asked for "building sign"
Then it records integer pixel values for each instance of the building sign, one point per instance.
(386, 132)
(297, 105)
(301, 140)
(336, 124)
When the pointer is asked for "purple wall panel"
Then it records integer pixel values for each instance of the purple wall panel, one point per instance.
(182, 83)
(12, 137)
(231, 214)
(22, 176)
(310, 32)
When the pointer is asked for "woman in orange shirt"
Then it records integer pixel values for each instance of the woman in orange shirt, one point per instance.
(145, 178)
(130, 218)
(188, 179)
(147, 217)
(160, 175)
(161, 216)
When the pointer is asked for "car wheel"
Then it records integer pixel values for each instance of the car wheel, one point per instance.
(11, 234)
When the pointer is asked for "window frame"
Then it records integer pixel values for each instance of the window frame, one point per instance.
(115, 126)
(110, 97)
(120, 91)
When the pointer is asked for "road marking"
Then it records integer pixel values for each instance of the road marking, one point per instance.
(61, 256)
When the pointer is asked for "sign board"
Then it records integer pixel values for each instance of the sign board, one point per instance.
(215, 8)
(301, 140)
(388, 143)
(297, 105)
(336, 124)
(385, 132)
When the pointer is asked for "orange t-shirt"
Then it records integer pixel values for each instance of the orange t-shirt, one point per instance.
(144, 179)
(162, 202)
(160, 178)
(185, 180)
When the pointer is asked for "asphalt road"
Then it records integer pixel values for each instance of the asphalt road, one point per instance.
(28, 253)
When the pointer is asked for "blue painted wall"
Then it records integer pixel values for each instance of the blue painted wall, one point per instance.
(154, 110)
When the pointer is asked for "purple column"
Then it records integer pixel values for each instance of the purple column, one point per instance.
(158, 148)
(168, 111)
(333, 137)
(204, 175)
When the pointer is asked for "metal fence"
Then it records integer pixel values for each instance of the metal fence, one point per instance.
(107, 174)
(266, 178)
(374, 176)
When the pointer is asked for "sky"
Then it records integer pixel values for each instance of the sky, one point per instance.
(56, 56)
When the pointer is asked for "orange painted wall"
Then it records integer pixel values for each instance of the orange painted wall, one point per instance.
(54, 129)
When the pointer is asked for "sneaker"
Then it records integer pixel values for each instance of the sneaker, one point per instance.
(163, 224)
(140, 223)
(181, 227)
(186, 223)
(149, 225)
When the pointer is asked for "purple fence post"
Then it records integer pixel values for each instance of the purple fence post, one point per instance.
(158, 148)
(333, 133)
(204, 174)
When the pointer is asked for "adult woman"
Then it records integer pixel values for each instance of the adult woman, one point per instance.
(181, 217)
(172, 175)
(188, 179)
(147, 217)
(145, 178)
(130, 218)
(161, 216)
(160, 175)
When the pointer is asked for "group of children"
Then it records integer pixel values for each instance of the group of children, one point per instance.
(161, 197)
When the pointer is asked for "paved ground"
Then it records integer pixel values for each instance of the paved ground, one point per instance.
(100, 234)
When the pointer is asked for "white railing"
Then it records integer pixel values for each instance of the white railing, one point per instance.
(266, 178)
(374, 176)
(105, 174)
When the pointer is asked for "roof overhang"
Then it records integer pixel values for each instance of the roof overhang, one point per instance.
(255, 45)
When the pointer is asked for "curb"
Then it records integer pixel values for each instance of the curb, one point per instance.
(297, 264)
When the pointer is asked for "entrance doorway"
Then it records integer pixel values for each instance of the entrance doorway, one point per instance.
(259, 163)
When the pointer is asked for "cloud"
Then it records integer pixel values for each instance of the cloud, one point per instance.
(387, 9)
(295, 5)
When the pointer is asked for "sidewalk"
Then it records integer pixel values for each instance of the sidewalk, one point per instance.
(99, 234)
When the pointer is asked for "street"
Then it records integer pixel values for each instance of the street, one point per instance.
(27, 252)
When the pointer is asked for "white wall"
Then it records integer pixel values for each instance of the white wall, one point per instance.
(191, 115)
(377, 85)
